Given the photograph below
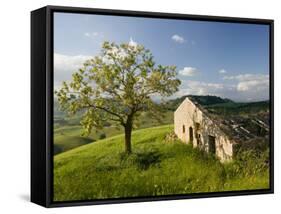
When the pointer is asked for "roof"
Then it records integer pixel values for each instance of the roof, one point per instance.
(240, 127)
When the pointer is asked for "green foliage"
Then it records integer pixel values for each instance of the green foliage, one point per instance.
(210, 100)
(249, 169)
(102, 170)
(116, 85)
(250, 162)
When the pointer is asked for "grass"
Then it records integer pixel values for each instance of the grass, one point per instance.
(69, 137)
(101, 170)
(67, 132)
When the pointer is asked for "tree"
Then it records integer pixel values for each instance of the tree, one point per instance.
(116, 86)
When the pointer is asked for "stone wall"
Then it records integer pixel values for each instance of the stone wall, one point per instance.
(193, 126)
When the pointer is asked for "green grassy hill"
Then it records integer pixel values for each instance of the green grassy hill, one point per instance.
(67, 137)
(67, 132)
(101, 170)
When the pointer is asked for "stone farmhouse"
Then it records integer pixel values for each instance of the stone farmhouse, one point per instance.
(194, 124)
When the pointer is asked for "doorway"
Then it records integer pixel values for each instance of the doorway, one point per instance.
(191, 134)
(212, 144)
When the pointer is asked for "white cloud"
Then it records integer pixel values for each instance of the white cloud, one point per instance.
(257, 85)
(246, 77)
(248, 82)
(65, 65)
(93, 34)
(252, 87)
(66, 62)
(201, 88)
(188, 71)
(178, 39)
(243, 87)
(222, 71)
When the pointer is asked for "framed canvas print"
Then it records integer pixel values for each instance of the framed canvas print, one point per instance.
(138, 106)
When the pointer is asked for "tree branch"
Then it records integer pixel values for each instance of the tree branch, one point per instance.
(110, 112)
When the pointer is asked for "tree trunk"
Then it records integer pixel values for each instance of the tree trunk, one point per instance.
(128, 133)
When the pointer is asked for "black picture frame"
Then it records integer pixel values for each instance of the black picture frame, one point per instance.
(42, 103)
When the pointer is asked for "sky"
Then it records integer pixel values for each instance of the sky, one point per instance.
(230, 60)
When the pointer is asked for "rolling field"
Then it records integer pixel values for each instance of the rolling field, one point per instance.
(69, 136)
(67, 132)
(101, 170)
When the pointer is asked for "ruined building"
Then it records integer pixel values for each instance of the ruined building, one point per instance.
(214, 134)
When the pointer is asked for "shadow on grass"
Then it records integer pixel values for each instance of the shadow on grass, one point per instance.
(142, 159)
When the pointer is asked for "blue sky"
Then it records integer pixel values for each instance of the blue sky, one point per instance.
(225, 59)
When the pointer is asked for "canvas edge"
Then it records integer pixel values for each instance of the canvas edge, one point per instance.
(38, 154)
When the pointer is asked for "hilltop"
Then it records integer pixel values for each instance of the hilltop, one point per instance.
(210, 101)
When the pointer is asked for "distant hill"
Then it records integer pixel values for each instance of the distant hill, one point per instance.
(209, 100)
(218, 105)
(236, 108)
(57, 111)
(202, 100)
